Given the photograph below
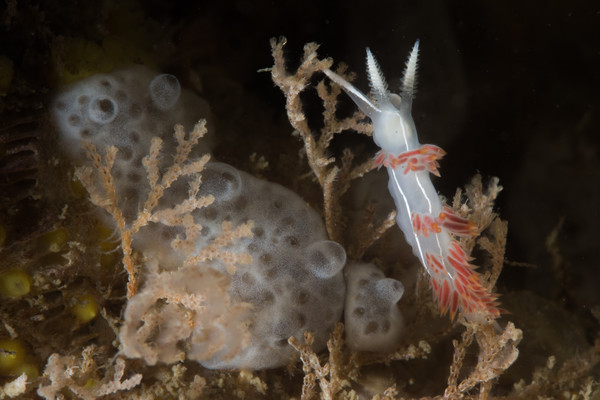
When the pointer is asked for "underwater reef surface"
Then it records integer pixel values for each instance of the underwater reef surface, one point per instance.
(506, 89)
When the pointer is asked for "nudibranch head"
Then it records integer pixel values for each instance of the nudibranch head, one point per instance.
(394, 129)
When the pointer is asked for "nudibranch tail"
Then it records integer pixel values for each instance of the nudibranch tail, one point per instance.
(463, 289)
(409, 80)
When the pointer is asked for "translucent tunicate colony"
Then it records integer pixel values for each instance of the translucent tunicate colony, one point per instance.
(373, 321)
(294, 282)
(125, 109)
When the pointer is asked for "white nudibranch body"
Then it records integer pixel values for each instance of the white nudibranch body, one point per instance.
(428, 225)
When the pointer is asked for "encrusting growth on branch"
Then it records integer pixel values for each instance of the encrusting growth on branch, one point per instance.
(190, 304)
(68, 374)
(105, 194)
(328, 375)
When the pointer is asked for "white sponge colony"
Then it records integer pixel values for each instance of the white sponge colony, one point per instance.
(294, 283)
(125, 108)
(373, 321)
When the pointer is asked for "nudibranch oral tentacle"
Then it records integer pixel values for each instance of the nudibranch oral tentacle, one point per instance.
(428, 224)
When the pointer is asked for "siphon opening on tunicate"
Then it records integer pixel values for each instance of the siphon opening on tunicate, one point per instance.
(103, 110)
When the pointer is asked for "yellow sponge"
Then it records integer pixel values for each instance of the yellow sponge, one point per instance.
(14, 359)
(12, 355)
(84, 308)
(15, 283)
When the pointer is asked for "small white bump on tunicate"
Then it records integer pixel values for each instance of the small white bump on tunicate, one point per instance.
(373, 321)
(165, 91)
(325, 258)
(389, 289)
(102, 110)
(220, 180)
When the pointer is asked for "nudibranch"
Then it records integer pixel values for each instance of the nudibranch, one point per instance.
(429, 226)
